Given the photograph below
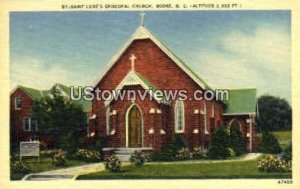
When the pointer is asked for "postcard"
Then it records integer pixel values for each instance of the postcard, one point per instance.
(149, 94)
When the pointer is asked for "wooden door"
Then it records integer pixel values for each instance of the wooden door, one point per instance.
(135, 127)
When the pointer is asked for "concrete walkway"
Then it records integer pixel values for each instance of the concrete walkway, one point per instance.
(66, 173)
(246, 157)
(73, 172)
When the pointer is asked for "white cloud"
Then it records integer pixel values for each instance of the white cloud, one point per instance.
(270, 47)
(32, 72)
(222, 71)
(260, 59)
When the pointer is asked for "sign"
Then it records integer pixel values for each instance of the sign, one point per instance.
(31, 148)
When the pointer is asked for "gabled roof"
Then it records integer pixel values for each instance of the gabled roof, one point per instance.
(142, 33)
(241, 101)
(33, 93)
(36, 94)
(65, 90)
(134, 78)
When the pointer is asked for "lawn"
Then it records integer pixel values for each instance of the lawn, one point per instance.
(230, 170)
(283, 137)
(44, 165)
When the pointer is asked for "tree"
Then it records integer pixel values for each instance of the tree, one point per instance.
(274, 114)
(219, 145)
(237, 142)
(269, 144)
(61, 118)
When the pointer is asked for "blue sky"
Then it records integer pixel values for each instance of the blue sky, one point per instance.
(228, 49)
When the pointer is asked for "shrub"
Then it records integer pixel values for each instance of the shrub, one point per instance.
(59, 158)
(272, 164)
(231, 152)
(138, 158)
(184, 154)
(170, 153)
(95, 143)
(68, 143)
(178, 142)
(219, 144)
(20, 167)
(88, 155)
(199, 153)
(269, 144)
(166, 154)
(47, 153)
(113, 164)
(287, 153)
(237, 142)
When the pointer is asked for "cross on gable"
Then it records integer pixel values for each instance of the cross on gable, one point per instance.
(142, 14)
(132, 58)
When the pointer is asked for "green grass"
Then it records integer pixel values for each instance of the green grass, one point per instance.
(230, 170)
(44, 165)
(283, 137)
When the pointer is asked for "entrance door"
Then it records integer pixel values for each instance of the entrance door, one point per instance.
(135, 127)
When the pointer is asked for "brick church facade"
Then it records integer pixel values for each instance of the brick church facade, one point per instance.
(145, 63)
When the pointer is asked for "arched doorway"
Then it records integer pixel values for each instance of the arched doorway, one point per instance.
(134, 127)
(234, 123)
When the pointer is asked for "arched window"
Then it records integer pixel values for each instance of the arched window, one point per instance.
(108, 114)
(179, 116)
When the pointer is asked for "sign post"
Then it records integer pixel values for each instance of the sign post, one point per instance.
(31, 148)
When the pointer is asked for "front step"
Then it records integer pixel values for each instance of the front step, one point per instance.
(123, 157)
(126, 150)
(124, 153)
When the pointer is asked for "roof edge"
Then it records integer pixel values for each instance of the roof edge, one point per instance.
(143, 33)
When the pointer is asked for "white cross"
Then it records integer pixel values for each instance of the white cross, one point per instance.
(132, 58)
(142, 14)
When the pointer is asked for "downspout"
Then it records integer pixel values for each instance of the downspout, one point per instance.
(250, 142)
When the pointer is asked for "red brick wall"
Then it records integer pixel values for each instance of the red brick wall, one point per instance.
(163, 73)
(17, 116)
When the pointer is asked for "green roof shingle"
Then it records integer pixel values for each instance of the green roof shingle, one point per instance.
(241, 101)
(36, 94)
(33, 93)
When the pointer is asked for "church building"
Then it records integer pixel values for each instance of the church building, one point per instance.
(145, 63)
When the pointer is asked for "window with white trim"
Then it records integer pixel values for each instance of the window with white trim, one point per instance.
(108, 115)
(18, 103)
(29, 124)
(179, 116)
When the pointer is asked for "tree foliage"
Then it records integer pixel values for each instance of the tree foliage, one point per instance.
(237, 142)
(219, 145)
(287, 153)
(59, 117)
(274, 114)
(269, 144)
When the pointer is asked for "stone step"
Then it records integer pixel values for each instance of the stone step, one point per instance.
(123, 157)
(47, 177)
(129, 150)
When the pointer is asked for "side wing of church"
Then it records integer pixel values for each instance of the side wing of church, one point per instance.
(150, 124)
